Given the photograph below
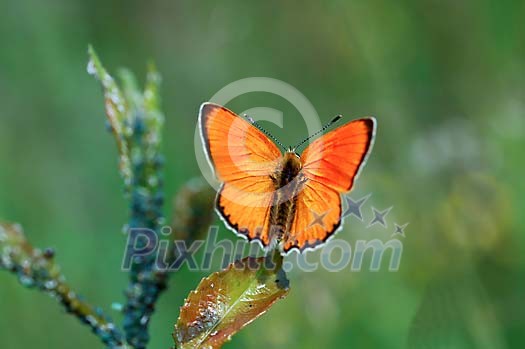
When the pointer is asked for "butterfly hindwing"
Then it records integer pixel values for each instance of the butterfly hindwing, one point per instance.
(243, 158)
(247, 213)
(317, 216)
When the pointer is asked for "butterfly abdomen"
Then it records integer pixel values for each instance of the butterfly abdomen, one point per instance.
(287, 184)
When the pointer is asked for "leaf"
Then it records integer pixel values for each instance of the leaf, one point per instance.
(228, 300)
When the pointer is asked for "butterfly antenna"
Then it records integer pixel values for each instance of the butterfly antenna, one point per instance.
(325, 127)
(254, 123)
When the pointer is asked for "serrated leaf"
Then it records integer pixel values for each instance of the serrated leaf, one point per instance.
(228, 300)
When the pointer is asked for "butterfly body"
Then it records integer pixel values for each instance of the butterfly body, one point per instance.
(286, 198)
(288, 181)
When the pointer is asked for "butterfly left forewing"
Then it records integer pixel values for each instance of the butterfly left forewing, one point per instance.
(235, 148)
(243, 158)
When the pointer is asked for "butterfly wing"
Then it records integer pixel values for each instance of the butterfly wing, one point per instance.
(330, 165)
(243, 158)
(317, 216)
(336, 158)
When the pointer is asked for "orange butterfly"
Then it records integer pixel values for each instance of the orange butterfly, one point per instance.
(270, 197)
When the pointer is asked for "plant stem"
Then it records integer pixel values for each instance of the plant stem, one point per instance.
(36, 269)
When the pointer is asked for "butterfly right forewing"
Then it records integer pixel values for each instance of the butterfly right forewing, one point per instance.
(336, 158)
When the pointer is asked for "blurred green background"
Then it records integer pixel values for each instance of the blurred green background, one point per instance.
(446, 80)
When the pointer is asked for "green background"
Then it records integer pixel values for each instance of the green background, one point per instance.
(445, 79)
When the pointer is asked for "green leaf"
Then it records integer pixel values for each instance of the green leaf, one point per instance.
(228, 300)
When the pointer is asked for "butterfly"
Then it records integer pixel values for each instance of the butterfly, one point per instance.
(282, 198)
